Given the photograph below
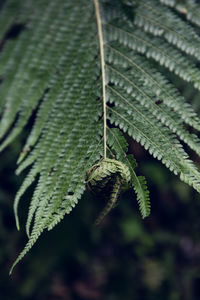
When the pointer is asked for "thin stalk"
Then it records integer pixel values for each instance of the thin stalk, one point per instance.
(101, 43)
(113, 199)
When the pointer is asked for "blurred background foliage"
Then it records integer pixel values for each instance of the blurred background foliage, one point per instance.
(124, 258)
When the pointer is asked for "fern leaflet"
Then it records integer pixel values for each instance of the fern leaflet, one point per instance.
(68, 58)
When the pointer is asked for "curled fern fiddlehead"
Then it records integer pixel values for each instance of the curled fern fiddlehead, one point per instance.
(103, 172)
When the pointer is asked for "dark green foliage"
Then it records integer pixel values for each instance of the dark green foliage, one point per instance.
(118, 144)
(52, 69)
(121, 175)
(125, 258)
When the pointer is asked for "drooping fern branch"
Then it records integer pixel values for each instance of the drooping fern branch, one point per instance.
(69, 58)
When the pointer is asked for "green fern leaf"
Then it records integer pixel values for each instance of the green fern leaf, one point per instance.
(69, 58)
(118, 144)
(188, 8)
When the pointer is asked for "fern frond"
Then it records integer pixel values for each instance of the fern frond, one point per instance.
(25, 185)
(68, 58)
(117, 143)
(161, 21)
(12, 12)
(137, 117)
(58, 199)
(34, 237)
(189, 8)
(147, 97)
(140, 187)
(65, 20)
(159, 141)
(61, 156)
(157, 49)
(113, 198)
(150, 79)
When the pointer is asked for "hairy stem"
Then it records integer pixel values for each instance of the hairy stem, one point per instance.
(113, 198)
(101, 43)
